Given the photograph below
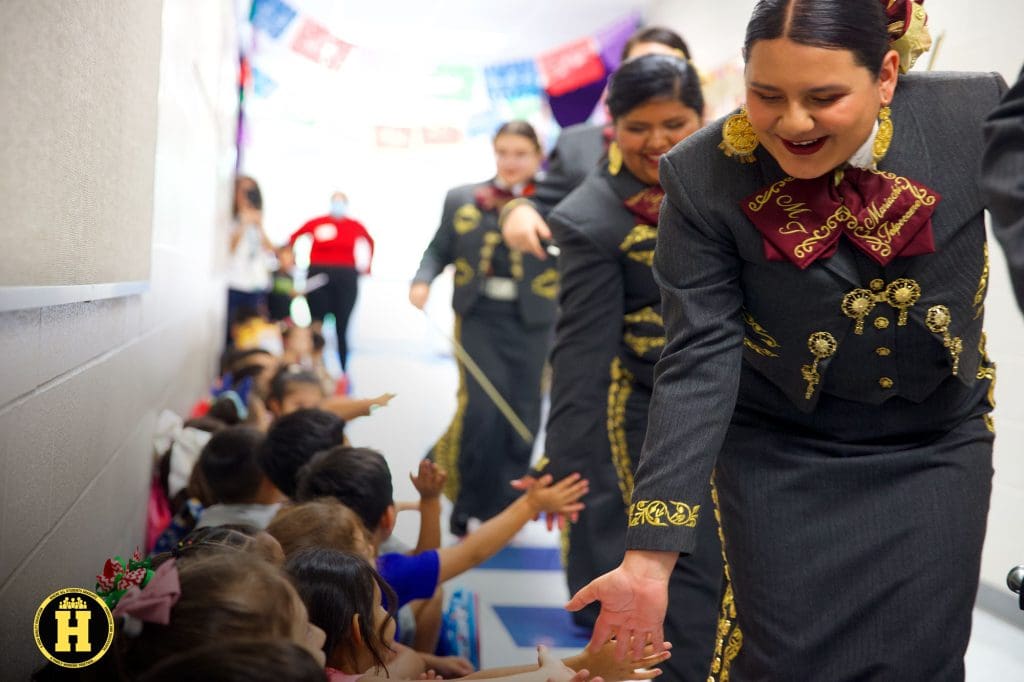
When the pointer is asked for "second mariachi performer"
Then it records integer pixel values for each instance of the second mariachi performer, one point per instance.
(505, 305)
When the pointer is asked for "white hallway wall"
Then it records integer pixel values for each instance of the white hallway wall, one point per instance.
(977, 36)
(82, 384)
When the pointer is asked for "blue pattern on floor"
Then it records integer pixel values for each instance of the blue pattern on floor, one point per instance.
(550, 626)
(524, 559)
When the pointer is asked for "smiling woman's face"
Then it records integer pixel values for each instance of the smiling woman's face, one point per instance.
(812, 108)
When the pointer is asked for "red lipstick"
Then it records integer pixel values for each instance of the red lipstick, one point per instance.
(803, 148)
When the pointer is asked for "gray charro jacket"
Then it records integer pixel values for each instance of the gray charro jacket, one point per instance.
(468, 237)
(725, 304)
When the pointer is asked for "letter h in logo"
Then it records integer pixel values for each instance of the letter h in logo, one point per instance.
(80, 630)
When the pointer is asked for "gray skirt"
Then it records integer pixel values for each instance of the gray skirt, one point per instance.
(853, 534)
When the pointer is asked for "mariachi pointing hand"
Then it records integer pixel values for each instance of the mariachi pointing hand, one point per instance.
(524, 229)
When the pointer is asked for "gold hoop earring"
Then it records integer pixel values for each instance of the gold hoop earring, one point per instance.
(738, 137)
(884, 136)
(614, 158)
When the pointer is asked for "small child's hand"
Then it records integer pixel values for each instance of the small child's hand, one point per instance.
(430, 480)
(562, 497)
(557, 671)
(604, 663)
(430, 675)
(383, 399)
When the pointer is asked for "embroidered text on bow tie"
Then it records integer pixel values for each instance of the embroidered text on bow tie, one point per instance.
(883, 214)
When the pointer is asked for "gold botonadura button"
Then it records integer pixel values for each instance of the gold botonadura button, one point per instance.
(881, 323)
(883, 352)
(886, 383)
(877, 284)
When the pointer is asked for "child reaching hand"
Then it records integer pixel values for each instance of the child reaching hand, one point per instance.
(344, 597)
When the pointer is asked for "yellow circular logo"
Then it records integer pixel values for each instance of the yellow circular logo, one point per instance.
(73, 627)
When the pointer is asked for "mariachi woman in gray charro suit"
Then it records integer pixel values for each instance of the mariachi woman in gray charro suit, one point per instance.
(825, 357)
(609, 335)
(505, 304)
(577, 152)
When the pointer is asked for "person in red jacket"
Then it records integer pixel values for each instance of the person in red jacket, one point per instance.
(342, 250)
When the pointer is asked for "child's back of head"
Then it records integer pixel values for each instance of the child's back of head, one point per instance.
(336, 588)
(242, 660)
(230, 465)
(227, 595)
(320, 523)
(359, 478)
(293, 440)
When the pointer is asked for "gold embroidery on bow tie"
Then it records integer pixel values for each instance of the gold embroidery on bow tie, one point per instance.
(761, 200)
(765, 340)
(938, 321)
(822, 345)
(463, 272)
(467, 218)
(841, 215)
(663, 513)
(901, 294)
(979, 297)
(545, 284)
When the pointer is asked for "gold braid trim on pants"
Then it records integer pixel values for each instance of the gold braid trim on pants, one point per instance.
(447, 448)
(728, 637)
(619, 390)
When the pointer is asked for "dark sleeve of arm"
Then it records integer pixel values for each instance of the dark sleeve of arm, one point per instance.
(586, 339)
(1002, 180)
(440, 251)
(696, 380)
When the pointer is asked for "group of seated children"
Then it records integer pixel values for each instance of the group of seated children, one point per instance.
(279, 562)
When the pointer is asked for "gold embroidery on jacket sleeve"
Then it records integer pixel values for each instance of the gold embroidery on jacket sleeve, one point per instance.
(979, 297)
(663, 513)
(545, 284)
(619, 390)
(466, 219)
(822, 345)
(463, 272)
(765, 341)
(938, 321)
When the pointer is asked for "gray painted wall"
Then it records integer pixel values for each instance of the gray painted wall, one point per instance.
(81, 384)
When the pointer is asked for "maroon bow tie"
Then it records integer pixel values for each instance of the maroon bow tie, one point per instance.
(646, 204)
(493, 198)
(883, 214)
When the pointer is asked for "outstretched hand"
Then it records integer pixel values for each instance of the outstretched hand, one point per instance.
(552, 520)
(634, 598)
(557, 671)
(561, 497)
(429, 480)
